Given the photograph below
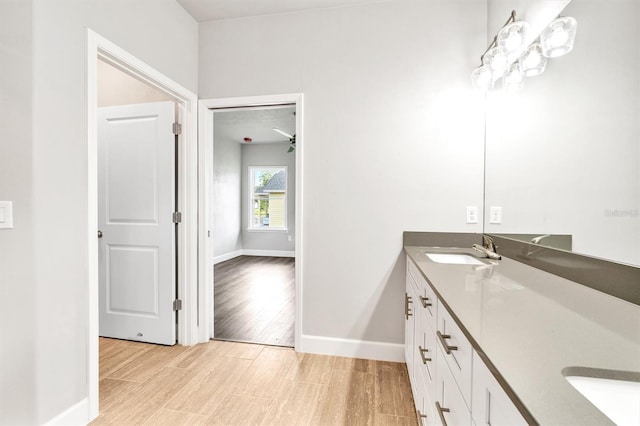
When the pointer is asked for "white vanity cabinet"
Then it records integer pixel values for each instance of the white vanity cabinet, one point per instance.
(451, 384)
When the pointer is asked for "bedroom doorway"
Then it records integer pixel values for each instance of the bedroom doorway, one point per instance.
(254, 224)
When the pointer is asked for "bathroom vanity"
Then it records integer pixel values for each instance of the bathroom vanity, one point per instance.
(497, 341)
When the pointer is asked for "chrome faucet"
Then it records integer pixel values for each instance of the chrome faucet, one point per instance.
(536, 240)
(488, 248)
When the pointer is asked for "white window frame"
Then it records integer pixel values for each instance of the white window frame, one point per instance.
(250, 227)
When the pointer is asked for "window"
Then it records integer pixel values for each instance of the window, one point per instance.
(268, 203)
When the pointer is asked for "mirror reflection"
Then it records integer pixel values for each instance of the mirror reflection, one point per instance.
(563, 153)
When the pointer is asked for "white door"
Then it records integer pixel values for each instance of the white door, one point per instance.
(136, 201)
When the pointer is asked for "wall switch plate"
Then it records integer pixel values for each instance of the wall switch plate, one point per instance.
(495, 215)
(6, 214)
(472, 214)
(288, 237)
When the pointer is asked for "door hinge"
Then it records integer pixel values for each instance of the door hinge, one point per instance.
(177, 129)
(177, 217)
(177, 305)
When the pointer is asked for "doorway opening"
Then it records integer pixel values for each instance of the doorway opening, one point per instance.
(254, 224)
(252, 221)
(186, 237)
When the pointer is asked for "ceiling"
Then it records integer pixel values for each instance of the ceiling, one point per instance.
(255, 123)
(213, 10)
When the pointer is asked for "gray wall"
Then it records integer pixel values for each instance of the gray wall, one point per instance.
(17, 260)
(43, 169)
(227, 176)
(393, 138)
(269, 155)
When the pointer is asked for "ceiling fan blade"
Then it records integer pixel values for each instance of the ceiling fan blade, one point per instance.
(275, 129)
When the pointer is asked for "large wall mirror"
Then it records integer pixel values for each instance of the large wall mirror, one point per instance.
(563, 154)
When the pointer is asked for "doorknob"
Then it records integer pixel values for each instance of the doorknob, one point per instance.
(99, 234)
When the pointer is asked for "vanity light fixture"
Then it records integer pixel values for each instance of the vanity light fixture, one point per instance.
(514, 78)
(482, 78)
(557, 39)
(512, 37)
(533, 62)
(512, 58)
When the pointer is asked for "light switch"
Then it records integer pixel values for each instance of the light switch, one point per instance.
(472, 214)
(495, 215)
(6, 215)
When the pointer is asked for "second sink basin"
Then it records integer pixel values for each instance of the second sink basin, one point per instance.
(454, 258)
(617, 398)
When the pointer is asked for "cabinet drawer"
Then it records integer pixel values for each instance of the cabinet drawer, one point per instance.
(449, 407)
(457, 351)
(491, 405)
(428, 303)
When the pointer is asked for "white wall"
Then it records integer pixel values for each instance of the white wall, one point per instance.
(269, 155)
(159, 32)
(566, 149)
(393, 138)
(115, 87)
(227, 178)
(17, 262)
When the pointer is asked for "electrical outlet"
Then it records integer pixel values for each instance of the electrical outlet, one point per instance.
(289, 237)
(6, 215)
(495, 215)
(472, 214)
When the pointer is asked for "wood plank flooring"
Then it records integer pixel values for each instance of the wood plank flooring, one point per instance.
(228, 383)
(254, 300)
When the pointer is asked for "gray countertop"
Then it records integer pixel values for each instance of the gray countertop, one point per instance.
(531, 324)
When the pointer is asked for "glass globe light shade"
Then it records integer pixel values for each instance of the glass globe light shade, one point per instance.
(482, 78)
(496, 61)
(533, 62)
(558, 38)
(512, 38)
(513, 79)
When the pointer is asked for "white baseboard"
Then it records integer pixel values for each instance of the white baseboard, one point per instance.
(271, 253)
(226, 256)
(379, 351)
(243, 252)
(77, 414)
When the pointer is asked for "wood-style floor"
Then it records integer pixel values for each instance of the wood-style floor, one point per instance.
(228, 383)
(254, 300)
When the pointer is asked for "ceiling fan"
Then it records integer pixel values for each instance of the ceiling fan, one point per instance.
(292, 138)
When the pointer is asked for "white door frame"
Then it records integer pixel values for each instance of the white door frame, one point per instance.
(100, 47)
(206, 154)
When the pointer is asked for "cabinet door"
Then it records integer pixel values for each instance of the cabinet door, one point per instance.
(491, 405)
(424, 355)
(449, 407)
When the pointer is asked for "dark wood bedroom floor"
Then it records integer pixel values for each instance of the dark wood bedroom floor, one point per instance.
(254, 300)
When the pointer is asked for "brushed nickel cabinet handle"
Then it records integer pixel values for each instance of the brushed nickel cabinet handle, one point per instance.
(421, 416)
(447, 348)
(425, 302)
(422, 352)
(407, 309)
(441, 411)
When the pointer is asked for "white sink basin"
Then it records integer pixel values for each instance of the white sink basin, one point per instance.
(454, 258)
(617, 399)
